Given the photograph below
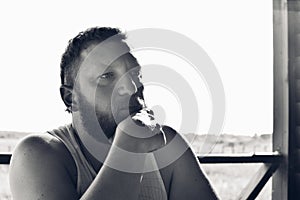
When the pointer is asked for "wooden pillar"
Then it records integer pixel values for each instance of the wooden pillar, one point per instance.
(294, 97)
(286, 136)
(281, 98)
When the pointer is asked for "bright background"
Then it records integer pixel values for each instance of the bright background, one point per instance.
(236, 34)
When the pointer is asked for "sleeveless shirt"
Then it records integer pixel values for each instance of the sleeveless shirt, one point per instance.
(152, 186)
(85, 172)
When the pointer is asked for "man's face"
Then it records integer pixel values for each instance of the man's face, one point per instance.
(108, 87)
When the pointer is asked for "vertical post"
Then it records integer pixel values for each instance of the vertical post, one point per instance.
(281, 100)
(294, 97)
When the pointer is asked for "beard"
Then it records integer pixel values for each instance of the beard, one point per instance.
(95, 123)
(99, 124)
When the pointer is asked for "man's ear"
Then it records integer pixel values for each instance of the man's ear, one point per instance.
(66, 93)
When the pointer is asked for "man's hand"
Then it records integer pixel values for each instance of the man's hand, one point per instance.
(139, 133)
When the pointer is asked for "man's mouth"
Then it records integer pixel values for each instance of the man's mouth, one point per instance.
(131, 109)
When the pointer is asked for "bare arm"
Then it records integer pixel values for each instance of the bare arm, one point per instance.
(113, 184)
(188, 180)
(38, 170)
(117, 184)
(188, 177)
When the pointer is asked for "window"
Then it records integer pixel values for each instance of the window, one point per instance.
(239, 42)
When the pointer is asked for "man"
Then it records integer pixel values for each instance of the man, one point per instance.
(130, 156)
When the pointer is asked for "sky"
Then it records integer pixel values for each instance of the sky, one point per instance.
(235, 34)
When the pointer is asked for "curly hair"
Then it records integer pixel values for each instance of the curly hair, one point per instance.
(69, 65)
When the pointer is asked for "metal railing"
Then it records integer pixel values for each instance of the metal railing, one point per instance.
(271, 162)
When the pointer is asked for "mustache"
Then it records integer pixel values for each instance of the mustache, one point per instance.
(133, 103)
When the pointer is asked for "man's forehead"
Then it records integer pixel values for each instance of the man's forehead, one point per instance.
(95, 65)
(104, 52)
(126, 61)
(130, 60)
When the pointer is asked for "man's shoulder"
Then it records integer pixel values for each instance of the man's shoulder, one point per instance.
(41, 143)
(171, 133)
(40, 148)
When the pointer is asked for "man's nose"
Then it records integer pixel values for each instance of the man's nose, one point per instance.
(127, 86)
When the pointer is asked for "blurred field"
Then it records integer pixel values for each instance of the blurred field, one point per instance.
(228, 180)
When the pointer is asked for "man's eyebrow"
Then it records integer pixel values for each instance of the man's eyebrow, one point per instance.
(137, 66)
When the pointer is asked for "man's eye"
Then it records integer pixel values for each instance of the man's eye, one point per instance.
(108, 75)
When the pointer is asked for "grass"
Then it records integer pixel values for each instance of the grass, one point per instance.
(229, 179)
